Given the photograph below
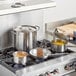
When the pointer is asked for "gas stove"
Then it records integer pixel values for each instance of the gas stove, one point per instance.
(7, 59)
(51, 66)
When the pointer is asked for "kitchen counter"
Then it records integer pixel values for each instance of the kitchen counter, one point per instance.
(5, 8)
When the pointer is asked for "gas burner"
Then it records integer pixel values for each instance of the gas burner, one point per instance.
(7, 53)
(36, 60)
(43, 43)
(5, 56)
(68, 51)
(39, 60)
(18, 66)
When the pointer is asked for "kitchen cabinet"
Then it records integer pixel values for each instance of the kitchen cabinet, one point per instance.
(23, 6)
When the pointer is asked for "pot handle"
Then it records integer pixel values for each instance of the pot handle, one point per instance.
(37, 27)
(60, 35)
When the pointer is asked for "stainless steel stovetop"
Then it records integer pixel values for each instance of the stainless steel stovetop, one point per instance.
(54, 65)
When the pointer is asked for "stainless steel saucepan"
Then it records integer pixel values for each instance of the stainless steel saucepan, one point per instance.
(20, 57)
(60, 46)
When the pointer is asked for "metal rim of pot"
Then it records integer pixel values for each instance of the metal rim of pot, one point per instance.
(36, 28)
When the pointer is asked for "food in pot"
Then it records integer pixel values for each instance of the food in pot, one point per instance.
(21, 54)
(39, 52)
(59, 42)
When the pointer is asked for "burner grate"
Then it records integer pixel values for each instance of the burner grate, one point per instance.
(7, 53)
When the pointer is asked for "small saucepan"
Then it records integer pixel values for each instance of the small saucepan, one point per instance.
(40, 53)
(20, 57)
(59, 45)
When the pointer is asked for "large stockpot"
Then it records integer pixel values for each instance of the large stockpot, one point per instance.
(59, 45)
(25, 37)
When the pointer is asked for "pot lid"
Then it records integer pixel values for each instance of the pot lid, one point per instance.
(25, 28)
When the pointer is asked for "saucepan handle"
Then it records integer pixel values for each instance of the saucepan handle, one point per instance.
(37, 27)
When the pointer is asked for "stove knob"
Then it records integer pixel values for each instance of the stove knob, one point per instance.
(67, 67)
(48, 74)
(55, 71)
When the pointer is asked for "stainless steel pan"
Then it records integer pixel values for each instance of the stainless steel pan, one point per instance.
(46, 53)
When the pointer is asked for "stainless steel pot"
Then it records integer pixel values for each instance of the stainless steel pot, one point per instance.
(20, 57)
(25, 36)
(43, 53)
(59, 45)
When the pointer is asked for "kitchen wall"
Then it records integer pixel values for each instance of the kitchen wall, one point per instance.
(33, 18)
(7, 22)
(64, 9)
